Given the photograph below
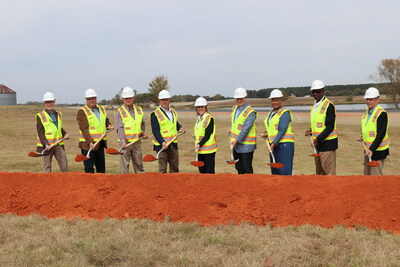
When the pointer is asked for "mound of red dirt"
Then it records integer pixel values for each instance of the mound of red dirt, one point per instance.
(371, 201)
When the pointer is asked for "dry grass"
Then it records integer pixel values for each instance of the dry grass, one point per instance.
(18, 134)
(36, 241)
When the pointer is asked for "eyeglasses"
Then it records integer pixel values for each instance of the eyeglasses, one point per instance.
(316, 91)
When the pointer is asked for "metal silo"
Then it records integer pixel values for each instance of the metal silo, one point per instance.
(7, 96)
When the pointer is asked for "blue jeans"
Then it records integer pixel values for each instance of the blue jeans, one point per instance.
(283, 153)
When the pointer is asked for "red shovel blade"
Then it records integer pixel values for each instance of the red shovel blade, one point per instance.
(231, 162)
(80, 158)
(34, 154)
(112, 151)
(276, 165)
(373, 163)
(315, 155)
(148, 158)
(197, 163)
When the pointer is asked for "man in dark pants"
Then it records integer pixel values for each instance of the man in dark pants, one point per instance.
(93, 123)
(243, 132)
(165, 127)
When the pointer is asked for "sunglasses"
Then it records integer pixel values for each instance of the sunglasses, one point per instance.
(316, 91)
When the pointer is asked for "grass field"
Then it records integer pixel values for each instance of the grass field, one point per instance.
(37, 241)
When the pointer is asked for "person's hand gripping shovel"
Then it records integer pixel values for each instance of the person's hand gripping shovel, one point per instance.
(148, 158)
(196, 161)
(35, 154)
(114, 151)
(232, 159)
(80, 157)
(370, 163)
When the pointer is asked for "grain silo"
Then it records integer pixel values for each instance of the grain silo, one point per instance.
(7, 96)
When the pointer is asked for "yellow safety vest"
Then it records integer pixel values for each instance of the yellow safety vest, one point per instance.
(272, 126)
(199, 130)
(318, 120)
(51, 131)
(369, 127)
(132, 127)
(237, 125)
(96, 127)
(167, 127)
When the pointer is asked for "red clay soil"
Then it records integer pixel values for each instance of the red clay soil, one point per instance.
(370, 201)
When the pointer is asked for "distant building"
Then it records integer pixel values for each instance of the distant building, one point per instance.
(7, 96)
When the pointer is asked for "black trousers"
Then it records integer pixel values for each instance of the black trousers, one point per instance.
(97, 158)
(245, 164)
(209, 162)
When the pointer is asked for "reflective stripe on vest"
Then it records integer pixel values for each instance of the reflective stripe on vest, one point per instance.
(199, 130)
(318, 120)
(272, 126)
(51, 131)
(237, 125)
(132, 127)
(96, 127)
(369, 129)
(167, 127)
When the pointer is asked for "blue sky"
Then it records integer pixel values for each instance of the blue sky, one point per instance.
(203, 47)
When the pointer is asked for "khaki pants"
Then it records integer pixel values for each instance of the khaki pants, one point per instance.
(373, 170)
(59, 153)
(326, 163)
(171, 156)
(133, 152)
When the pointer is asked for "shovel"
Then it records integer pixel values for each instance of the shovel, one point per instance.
(315, 155)
(371, 163)
(114, 151)
(35, 154)
(81, 157)
(273, 164)
(196, 162)
(232, 159)
(149, 157)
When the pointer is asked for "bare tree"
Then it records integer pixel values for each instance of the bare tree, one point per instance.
(389, 72)
(159, 83)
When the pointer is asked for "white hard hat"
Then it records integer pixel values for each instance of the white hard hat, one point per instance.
(164, 94)
(200, 102)
(240, 93)
(317, 84)
(90, 93)
(49, 96)
(371, 92)
(275, 93)
(127, 92)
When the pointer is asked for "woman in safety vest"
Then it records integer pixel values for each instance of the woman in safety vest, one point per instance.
(204, 132)
(278, 130)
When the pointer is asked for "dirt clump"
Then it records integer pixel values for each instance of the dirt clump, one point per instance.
(370, 201)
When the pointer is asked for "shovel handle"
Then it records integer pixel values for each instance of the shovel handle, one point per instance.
(270, 150)
(312, 144)
(54, 144)
(365, 148)
(98, 141)
(128, 145)
(169, 142)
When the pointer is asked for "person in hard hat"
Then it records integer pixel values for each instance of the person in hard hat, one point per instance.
(278, 130)
(243, 132)
(130, 127)
(93, 123)
(323, 130)
(165, 127)
(50, 130)
(204, 133)
(375, 132)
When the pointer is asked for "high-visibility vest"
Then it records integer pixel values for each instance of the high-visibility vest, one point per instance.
(96, 127)
(132, 127)
(318, 120)
(199, 130)
(272, 126)
(237, 125)
(51, 131)
(369, 127)
(167, 128)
